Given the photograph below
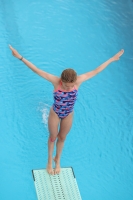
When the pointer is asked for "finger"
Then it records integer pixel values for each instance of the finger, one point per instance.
(10, 47)
(121, 52)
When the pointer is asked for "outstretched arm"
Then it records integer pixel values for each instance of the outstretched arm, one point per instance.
(90, 74)
(53, 79)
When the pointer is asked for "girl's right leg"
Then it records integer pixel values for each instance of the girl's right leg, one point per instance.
(53, 122)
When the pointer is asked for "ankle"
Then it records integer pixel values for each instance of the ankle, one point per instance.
(50, 159)
(57, 158)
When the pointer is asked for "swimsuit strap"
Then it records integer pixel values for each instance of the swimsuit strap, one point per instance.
(75, 87)
(58, 88)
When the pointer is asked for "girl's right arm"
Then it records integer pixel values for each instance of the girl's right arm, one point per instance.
(53, 79)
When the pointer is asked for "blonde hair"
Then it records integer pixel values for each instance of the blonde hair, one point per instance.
(68, 76)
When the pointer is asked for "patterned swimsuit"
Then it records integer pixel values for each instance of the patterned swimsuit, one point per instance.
(64, 102)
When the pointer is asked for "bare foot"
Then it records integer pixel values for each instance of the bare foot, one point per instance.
(57, 166)
(50, 169)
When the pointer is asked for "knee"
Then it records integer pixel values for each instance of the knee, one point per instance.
(61, 138)
(52, 139)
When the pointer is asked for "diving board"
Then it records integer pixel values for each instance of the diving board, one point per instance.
(61, 186)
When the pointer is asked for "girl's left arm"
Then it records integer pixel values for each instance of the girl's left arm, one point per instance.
(88, 75)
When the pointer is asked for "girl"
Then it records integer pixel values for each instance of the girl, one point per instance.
(61, 113)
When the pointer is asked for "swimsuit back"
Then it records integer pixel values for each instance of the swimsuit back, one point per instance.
(64, 102)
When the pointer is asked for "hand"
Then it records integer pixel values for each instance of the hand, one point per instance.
(118, 55)
(14, 52)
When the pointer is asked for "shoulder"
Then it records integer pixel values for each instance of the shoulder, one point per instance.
(79, 81)
(84, 77)
(56, 83)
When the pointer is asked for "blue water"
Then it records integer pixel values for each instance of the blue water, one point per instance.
(55, 35)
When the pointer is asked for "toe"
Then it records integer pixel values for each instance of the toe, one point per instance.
(52, 172)
(57, 171)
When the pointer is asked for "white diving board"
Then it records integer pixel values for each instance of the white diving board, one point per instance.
(61, 186)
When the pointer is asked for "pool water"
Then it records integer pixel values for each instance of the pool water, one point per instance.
(55, 35)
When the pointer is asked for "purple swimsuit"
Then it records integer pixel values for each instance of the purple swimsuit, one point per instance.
(64, 102)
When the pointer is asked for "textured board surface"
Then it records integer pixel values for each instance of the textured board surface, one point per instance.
(58, 187)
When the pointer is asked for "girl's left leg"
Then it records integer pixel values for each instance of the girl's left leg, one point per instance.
(65, 126)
